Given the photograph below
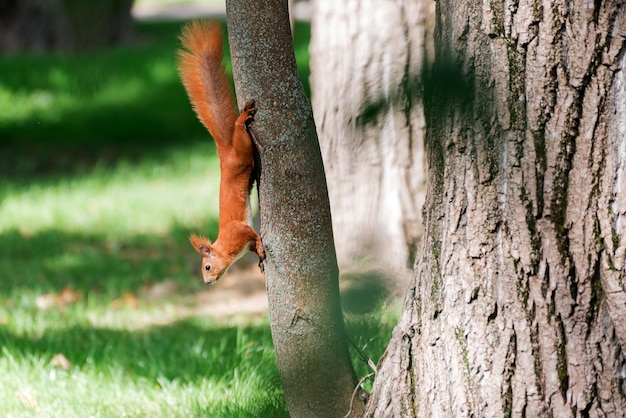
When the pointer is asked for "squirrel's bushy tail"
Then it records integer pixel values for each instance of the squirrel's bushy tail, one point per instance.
(201, 71)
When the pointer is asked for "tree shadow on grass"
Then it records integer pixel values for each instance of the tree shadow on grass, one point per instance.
(184, 351)
(370, 301)
(175, 351)
(188, 352)
(52, 260)
(71, 113)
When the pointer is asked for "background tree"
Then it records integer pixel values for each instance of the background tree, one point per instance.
(517, 307)
(67, 25)
(366, 60)
(301, 269)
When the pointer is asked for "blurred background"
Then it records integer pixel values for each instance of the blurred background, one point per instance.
(104, 172)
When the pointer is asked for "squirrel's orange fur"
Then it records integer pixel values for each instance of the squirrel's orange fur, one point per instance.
(203, 76)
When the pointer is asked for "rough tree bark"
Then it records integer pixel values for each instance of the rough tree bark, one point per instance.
(65, 25)
(517, 308)
(301, 268)
(367, 58)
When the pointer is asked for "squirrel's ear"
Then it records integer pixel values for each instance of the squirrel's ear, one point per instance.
(201, 244)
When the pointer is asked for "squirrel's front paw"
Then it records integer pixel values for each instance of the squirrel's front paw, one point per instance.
(250, 109)
(246, 117)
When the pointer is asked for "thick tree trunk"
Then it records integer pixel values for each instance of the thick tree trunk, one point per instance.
(65, 25)
(367, 59)
(301, 268)
(519, 300)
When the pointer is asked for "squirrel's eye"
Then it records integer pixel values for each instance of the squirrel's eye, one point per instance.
(207, 267)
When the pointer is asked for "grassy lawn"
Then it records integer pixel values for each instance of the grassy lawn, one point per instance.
(104, 171)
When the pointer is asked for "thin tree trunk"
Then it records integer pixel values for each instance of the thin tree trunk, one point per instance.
(301, 268)
(519, 300)
(367, 59)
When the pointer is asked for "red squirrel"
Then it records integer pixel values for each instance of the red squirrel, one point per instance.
(202, 74)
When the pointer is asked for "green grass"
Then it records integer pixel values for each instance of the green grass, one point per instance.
(65, 113)
(193, 367)
(104, 171)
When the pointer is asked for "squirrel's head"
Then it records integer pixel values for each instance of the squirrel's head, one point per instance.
(213, 264)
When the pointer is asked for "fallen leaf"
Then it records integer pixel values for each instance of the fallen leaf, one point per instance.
(28, 397)
(69, 296)
(128, 300)
(60, 361)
